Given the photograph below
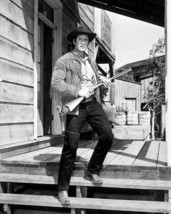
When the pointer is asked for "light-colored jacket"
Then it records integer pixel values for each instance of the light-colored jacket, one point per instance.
(66, 78)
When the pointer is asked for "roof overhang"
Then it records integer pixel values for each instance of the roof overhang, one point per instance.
(151, 11)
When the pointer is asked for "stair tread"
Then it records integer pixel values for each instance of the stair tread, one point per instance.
(86, 203)
(79, 181)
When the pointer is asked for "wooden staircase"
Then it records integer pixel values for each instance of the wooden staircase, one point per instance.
(10, 174)
(82, 202)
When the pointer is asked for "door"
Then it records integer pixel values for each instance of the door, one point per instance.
(131, 104)
(44, 79)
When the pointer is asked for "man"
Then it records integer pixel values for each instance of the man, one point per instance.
(74, 76)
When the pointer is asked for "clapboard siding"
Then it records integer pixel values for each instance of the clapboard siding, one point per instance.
(10, 113)
(127, 90)
(15, 53)
(25, 5)
(16, 70)
(84, 17)
(12, 133)
(87, 18)
(89, 13)
(90, 8)
(15, 93)
(10, 72)
(17, 15)
(15, 34)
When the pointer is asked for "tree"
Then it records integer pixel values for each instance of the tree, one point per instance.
(155, 95)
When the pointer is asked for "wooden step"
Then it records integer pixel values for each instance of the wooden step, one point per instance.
(87, 203)
(79, 181)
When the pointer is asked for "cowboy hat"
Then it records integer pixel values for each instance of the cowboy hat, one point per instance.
(81, 30)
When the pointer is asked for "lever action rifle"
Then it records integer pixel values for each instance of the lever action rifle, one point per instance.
(74, 103)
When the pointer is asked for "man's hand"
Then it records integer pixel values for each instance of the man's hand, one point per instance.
(86, 92)
(106, 82)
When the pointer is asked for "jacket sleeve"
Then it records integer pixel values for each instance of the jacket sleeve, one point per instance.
(58, 83)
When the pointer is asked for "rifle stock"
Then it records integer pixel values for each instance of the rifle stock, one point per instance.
(74, 103)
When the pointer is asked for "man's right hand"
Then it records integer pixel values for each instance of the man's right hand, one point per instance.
(85, 92)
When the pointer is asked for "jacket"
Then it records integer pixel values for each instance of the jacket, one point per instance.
(66, 78)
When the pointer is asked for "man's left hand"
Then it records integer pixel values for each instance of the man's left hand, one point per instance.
(106, 82)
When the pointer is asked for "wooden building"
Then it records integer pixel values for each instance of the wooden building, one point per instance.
(140, 74)
(128, 93)
(32, 37)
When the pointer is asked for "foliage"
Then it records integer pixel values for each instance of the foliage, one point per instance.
(155, 95)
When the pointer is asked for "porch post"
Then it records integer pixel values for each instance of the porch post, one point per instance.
(57, 122)
(168, 77)
(35, 64)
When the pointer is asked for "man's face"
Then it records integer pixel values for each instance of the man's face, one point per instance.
(81, 43)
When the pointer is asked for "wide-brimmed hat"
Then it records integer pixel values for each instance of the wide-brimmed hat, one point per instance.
(81, 30)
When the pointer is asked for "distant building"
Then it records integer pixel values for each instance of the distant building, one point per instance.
(140, 74)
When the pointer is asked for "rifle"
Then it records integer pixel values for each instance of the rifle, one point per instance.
(74, 103)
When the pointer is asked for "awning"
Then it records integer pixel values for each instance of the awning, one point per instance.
(151, 11)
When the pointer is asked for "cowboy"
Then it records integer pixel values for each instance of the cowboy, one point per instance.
(74, 76)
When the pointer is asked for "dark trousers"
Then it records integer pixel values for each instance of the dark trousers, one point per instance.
(93, 113)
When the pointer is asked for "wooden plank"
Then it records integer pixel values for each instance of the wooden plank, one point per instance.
(27, 6)
(15, 93)
(84, 154)
(15, 133)
(29, 146)
(27, 156)
(16, 54)
(86, 203)
(12, 72)
(16, 113)
(128, 155)
(36, 158)
(16, 15)
(118, 147)
(16, 34)
(51, 140)
(87, 11)
(75, 181)
(148, 155)
(91, 8)
(162, 156)
(53, 156)
(86, 20)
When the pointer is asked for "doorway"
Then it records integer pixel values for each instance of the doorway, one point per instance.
(45, 44)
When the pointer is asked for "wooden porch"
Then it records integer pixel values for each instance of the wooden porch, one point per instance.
(131, 159)
(130, 164)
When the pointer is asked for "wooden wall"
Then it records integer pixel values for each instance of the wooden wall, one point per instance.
(86, 13)
(124, 90)
(16, 70)
(69, 21)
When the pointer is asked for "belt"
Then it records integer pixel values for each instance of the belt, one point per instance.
(90, 99)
